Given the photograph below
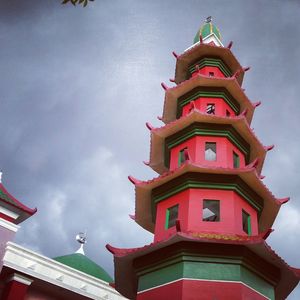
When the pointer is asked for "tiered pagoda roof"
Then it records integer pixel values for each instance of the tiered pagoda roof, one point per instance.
(144, 190)
(229, 84)
(198, 50)
(239, 123)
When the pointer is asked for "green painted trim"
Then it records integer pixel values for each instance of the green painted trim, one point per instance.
(208, 132)
(185, 256)
(204, 129)
(248, 222)
(169, 216)
(226, 270)
(212, 62)
(207, 93)
(204, 185)
(181, 156)
(257, 283)
(236, 160)
(211, 94)
(249, 225)
(167, 219)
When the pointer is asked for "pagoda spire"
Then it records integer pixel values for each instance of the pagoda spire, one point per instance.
(208, 34)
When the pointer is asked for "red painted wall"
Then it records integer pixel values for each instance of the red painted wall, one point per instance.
(206, 70)
(182, 200)
(240, 204)
(35, 295)
(220, 106)
(190, 213)
(196, 149)
(204, 290)
(14, 291)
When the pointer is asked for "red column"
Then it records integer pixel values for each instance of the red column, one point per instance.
(16, 287)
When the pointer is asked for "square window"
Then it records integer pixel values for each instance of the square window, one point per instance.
(181, 156)
(210, 108)
(236, 160)
(210, 151)
(246, 222)
(211, 74)
(211, 211)
(171, 216)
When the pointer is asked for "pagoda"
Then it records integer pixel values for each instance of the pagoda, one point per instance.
(208, 209)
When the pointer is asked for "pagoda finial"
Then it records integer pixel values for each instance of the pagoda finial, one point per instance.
(208, 19)
(81, 238)
(208, 34)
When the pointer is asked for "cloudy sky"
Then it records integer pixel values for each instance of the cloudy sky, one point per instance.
(78, 84)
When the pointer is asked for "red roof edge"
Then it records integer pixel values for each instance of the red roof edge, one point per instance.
(16, 203)
(266, 233)
(296, 271)
(213, 237)
(283, 200)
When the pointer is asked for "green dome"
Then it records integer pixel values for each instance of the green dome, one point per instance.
(206, 30)
(81, 263)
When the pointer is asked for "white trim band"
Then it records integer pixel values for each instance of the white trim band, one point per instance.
(19, 278)
(9, 225)
(8, 212)
(210, 38)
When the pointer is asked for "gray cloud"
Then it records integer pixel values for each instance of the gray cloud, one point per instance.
(18, 11)
(77, 86)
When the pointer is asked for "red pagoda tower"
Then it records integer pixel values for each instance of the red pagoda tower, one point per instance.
(208, 209)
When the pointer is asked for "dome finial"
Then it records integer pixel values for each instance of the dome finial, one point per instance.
(81, 238)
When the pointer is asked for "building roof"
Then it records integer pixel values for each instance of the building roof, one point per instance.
(239, 123)
(49, 273)
(126, 278)
(82, 263)
(11, 203)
